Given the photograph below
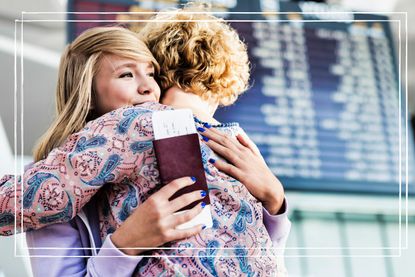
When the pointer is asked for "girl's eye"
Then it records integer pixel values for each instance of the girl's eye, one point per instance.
(126, 74)
(151, 74)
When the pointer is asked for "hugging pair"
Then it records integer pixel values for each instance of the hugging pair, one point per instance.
(95, 181)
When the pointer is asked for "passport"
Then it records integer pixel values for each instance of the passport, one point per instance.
(177, 150)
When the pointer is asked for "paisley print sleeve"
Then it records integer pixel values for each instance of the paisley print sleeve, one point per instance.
(108, 150)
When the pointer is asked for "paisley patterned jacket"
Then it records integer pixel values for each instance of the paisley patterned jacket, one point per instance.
(113, 156)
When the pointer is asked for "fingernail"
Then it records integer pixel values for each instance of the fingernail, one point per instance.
(207, 125)
(203, 204)
(200, 129)
(203, 227)
(193, 179)
(212, 161)
(203, 193)
(205, 138)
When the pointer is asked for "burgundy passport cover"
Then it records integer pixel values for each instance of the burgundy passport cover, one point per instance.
(178, 157)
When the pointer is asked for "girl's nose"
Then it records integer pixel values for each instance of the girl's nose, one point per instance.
(143, 91)
(144, 88)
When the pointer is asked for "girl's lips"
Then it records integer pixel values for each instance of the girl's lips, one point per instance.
(145, 101)
(149, 99)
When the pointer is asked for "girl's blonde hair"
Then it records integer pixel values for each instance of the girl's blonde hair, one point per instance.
(198, 53)
(75, 88)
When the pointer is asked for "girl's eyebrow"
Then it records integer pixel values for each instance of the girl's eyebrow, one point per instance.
(127, 64)
(150, 66)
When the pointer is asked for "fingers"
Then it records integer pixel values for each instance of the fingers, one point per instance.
(186, 199)
(247, 142)
(168, 190)
(180, 218)
(186, 233)
(188, 215)
(242, 139)
(233, 150)
(227, 168)
(220, 138)
(222, 144)
(231, 155)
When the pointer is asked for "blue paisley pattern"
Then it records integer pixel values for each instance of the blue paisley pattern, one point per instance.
(125, 122)
(207, 258)
(84, 143)
(106, 175)
(241, 254)
(244, 216)
(34, 183)
(6, 219)
(63, 216)
(140, 146)
(128, 204)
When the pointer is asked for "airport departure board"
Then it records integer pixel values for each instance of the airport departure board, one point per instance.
(323, 106)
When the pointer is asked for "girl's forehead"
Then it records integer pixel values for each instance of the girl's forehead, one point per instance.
(115, 62)
(112, 59)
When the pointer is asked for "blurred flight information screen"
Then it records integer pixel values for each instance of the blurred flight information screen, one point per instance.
(324, 103)
(323, 106)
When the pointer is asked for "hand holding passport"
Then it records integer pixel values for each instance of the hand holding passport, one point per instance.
(177, 149)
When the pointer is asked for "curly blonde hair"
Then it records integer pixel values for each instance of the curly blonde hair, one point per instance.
(198, 53)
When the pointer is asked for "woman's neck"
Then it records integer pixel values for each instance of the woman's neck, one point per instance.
(180, 99)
